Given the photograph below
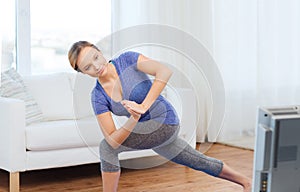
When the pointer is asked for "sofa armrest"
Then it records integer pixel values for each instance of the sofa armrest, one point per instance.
(12, 135)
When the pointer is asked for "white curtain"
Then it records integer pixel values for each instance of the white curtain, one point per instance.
(278, 52)
(235, 52)
(257, 49)
(255, 44)
(1, 26)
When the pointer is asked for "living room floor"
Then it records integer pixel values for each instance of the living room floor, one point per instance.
(164, 178)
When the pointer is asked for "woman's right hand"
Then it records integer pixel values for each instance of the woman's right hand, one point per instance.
(135, 115)
(138, 108)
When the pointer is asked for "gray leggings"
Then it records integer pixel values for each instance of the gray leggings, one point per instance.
(164, 140)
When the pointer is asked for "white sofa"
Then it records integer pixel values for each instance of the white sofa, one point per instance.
(69, 134)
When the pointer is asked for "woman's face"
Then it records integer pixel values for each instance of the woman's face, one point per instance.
(91, 62)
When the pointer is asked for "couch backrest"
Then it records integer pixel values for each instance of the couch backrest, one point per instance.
(82, 86)
(67, 95)
(61, 95)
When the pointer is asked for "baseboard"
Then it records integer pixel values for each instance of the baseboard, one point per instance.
(245, 142)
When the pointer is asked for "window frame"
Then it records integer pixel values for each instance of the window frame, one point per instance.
(23, 37)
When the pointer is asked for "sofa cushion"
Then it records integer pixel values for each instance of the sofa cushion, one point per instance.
(63, 134)
(53, 94)
(12, 86)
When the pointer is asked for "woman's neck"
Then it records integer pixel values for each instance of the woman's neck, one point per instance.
(111, 74)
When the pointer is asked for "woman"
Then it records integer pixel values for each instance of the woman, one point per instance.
(123, 88)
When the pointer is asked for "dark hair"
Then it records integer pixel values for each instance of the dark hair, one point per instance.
(75, 51)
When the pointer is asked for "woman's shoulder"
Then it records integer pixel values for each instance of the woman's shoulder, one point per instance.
(129, 54)
(97, 93)
(127, 58)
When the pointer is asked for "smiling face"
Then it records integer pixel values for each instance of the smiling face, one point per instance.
(91, 62)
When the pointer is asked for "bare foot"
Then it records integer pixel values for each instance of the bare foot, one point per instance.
(236, 177)
(247, 186)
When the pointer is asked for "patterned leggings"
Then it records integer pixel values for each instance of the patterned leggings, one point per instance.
(164, 140)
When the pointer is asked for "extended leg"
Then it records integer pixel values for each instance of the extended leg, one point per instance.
(180, 152)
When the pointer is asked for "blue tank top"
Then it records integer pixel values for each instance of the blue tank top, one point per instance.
(135, 86)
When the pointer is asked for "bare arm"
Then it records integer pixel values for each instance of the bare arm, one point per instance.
(115, 137)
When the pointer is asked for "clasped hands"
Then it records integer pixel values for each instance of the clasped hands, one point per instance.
(135, 109)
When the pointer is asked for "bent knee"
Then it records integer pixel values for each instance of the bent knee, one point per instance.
(105, 147)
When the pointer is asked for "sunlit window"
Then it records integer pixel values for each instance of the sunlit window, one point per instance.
(7, 35)
(56, 24)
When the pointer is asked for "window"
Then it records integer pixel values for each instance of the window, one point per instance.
(7, 35)
(57, 24)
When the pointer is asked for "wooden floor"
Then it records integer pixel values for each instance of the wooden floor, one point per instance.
(164, 178)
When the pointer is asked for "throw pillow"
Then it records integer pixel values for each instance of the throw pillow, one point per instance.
(12, 86)
(53, 93)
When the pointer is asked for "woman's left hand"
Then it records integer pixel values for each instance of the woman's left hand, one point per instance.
(138, 108)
